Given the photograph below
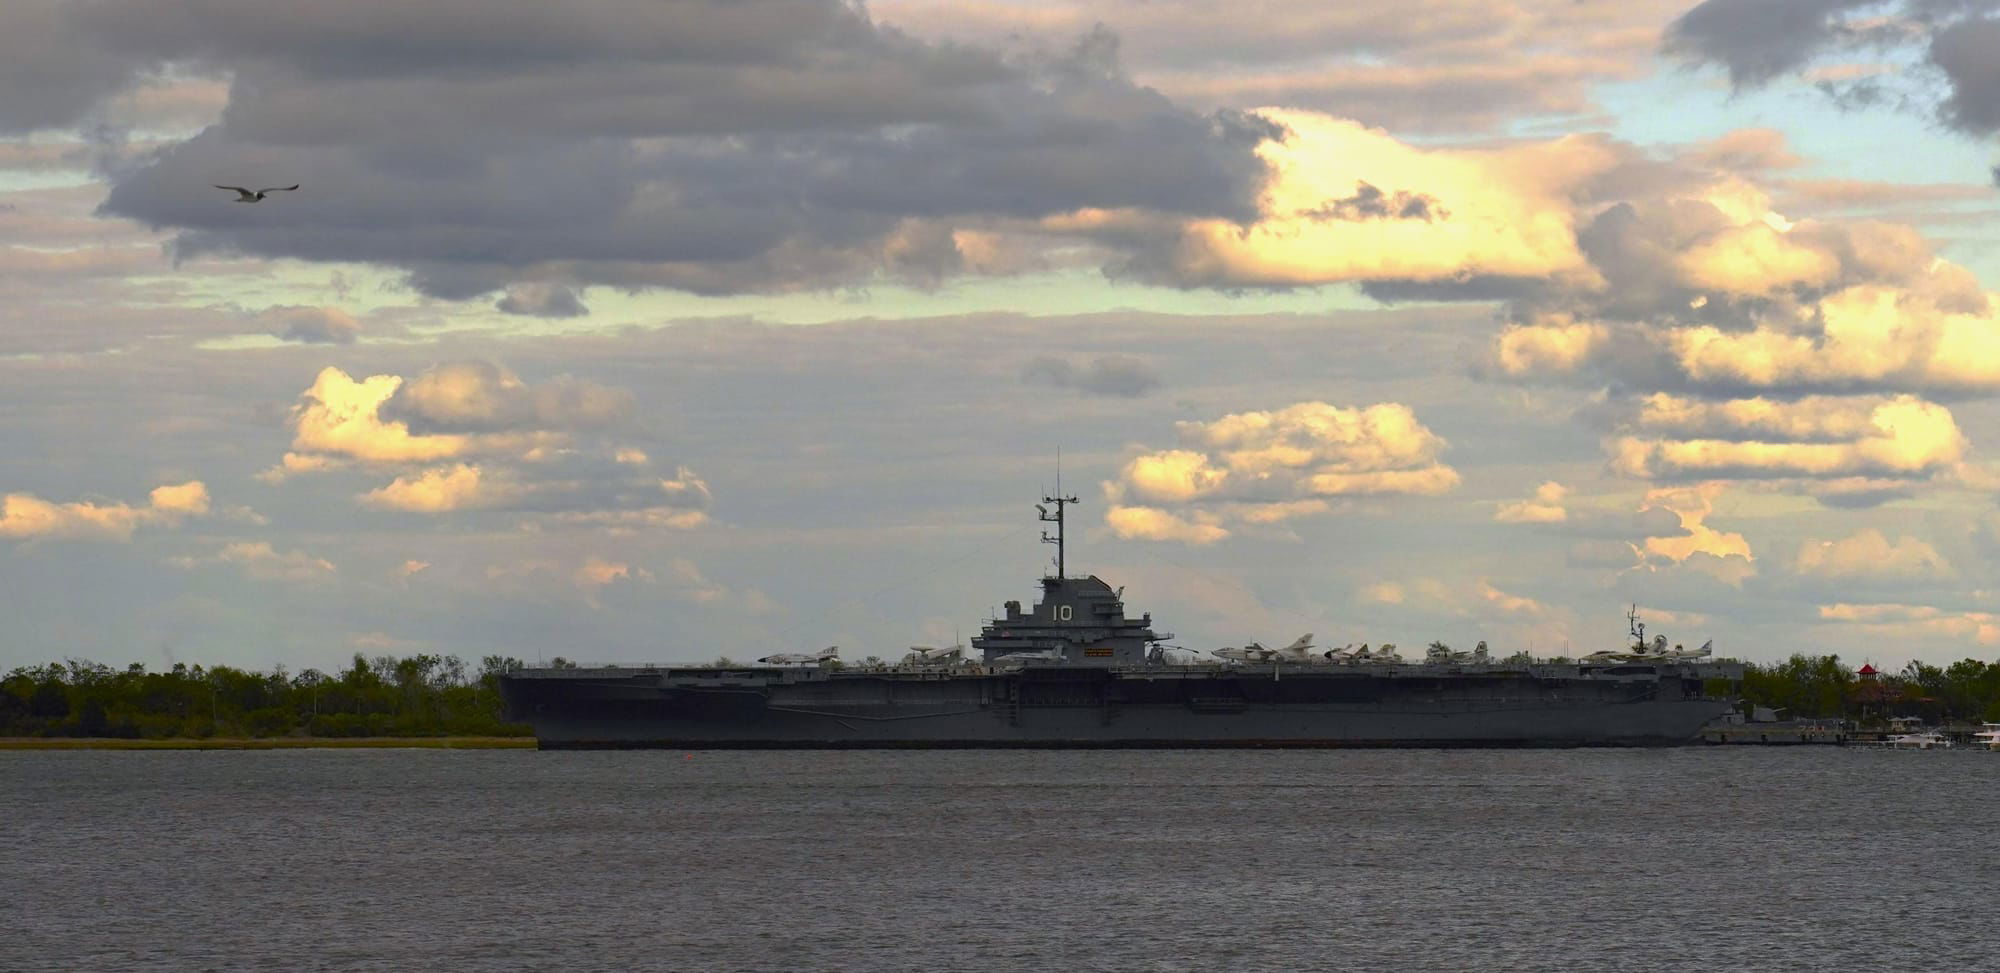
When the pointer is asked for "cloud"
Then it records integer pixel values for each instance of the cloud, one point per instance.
(1114, 375)
(681, 503)
(338, 418)
(1759, 41)
(1153, 524)
(449, 411)
(259, 561)
(52, 69)
(542, 301)
(1508, 604)
(183, 499)
(435, 491)
(1261, 467)
(596, 572)
(1464, 213)
(1545, 508)
(477, 396)
(1446, 65)
(1815, 437)
(323, 325)
(1868, 338)
(1898, 624)
(1868, 554)
(1744, 150)
(24, 516)
(721, 148)
(1547, 348)
(1726, 555)
(1383, 592)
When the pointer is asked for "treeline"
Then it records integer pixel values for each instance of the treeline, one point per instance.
(1821, 686)
(419, 695)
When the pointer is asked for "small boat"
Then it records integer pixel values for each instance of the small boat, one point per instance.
(1988, 737)
(1920, 740)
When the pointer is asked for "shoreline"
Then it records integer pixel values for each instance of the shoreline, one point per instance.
(268, 743)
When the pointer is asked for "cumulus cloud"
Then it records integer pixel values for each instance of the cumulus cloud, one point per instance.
(450, 411)
(1817, 437)
(338, 418)
(1261, 467)
(258, 560)
(1868, 554)
(435, 491)
(1735, 343)
(24, 516)
(1505, 212)
(478, 396)
(1115, 375)
(322, 325)
(473, 436)
(1725, 555)
(1154, 524)
(1557, 346)
(1545, 508)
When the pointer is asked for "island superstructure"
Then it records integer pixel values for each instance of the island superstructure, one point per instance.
(1076, 671)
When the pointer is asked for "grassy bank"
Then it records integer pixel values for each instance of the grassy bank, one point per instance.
(267, 743)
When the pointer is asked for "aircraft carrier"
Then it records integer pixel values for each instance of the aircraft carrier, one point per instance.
(1077, 672)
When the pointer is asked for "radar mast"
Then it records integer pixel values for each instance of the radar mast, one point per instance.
(1056, 518)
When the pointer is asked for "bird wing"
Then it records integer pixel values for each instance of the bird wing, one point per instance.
(280, 189)
(239, 189)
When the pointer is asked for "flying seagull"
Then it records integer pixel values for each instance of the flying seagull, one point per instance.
(247, 196)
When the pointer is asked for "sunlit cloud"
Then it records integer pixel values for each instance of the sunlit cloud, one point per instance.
(1546, 507)
(1263, 467)
(1868, 553)
(24, 516)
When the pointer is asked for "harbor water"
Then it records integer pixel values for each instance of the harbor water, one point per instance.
(1701, 858)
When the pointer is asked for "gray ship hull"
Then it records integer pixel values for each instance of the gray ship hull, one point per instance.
(1060, 707)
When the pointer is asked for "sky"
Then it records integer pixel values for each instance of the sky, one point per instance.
(663, 330)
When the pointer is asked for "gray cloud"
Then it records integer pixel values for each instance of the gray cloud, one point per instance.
(1969, 55)
(1757, 40)
(52, 68)
(1760, 40)
(711, 147)
(1371, 203)
(542, 301)
(1118, 375)
(1461, 64)
(323, 325)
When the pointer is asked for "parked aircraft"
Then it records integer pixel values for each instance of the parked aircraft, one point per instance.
(931, 655)
(1249, 653)
(1298, 651)
(1256, 652)
(1707, 649)
(1019, 658)
(829, 654)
